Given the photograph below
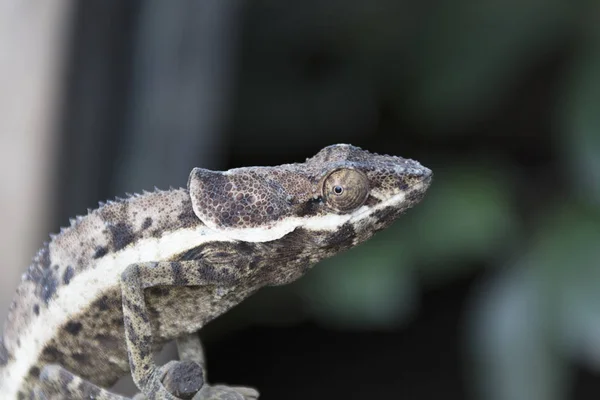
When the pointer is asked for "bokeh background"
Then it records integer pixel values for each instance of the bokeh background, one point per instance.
(489, 289)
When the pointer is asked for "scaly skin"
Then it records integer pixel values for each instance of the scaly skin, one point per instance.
(120, 282)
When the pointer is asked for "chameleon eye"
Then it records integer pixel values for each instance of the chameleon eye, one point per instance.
(345, 189)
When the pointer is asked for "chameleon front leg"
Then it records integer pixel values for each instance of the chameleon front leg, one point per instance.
(138, 333)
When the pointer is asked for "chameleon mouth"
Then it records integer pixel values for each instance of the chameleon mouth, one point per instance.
(426, 178)
(422, 174)
(409, 196)
(403, 199)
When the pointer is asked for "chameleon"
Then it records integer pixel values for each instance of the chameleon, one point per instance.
(107, 292)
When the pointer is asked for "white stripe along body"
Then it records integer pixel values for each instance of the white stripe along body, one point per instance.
(259, 225)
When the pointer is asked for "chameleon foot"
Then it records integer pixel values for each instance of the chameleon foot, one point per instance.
(189, 348)
(218, 392)
(222, 392)
(185, 380)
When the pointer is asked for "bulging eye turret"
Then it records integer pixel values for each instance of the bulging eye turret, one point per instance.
(345, 189)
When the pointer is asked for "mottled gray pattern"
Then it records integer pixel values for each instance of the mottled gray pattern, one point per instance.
(105, 230)
(206, 278)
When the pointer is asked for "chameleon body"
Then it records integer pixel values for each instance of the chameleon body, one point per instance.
(116, 285)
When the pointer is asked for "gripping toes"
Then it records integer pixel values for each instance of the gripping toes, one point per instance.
(221, 392)
(185, 380)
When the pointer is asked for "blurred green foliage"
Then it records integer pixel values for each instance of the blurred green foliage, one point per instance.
(500, 98)
(469, 54)
(505, 96)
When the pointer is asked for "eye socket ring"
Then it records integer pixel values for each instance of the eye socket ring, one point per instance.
(345, 189)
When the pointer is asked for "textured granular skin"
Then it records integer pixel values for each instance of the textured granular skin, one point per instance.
(252, 197)
(85, 305)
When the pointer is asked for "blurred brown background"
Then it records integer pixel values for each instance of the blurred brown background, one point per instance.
(489, 289)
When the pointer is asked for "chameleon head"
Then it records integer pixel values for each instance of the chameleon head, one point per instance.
(341, 186)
